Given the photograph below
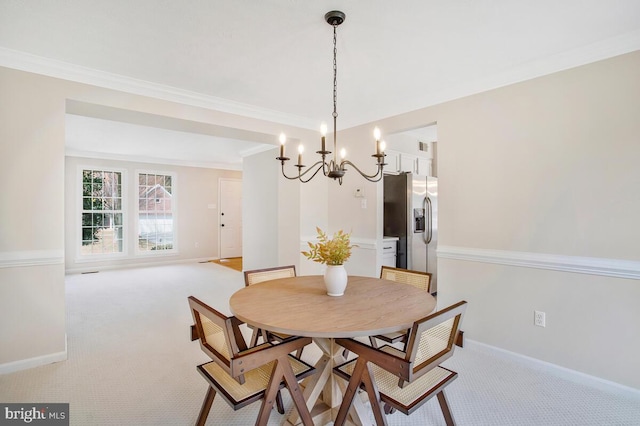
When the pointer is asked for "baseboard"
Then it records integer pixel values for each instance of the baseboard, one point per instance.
(556, 370)
(25, 364)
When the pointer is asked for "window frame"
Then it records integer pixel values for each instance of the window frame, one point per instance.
(174, 214)
(80, 256)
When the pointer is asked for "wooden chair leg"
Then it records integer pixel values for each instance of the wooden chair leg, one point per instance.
(254, 337)
(266, 337)
(296, 393)
(206, 406)
(361, 374)
(283, 371)
(374, 396)
(270, 396)
(444, 406)
(279, 403)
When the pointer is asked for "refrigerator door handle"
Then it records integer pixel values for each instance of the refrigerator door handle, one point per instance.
(428, 234)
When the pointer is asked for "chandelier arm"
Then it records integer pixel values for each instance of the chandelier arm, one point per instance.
(371, 178)
(320, 165)
(326, 167)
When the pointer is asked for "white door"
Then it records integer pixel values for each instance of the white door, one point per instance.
(230, 218)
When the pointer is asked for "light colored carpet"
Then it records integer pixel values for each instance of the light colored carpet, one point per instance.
(131, 362)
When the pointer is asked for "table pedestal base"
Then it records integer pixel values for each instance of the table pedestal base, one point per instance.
(323, 391)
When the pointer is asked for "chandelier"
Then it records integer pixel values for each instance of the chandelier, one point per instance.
(330, 165)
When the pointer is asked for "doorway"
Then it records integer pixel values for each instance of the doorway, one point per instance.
(230, 219)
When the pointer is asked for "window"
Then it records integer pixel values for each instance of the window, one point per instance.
(102, 225)
(155, 212)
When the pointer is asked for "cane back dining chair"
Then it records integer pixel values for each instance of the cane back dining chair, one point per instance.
(421, 280)
(404, 380)
(260, 275)
(242, 375)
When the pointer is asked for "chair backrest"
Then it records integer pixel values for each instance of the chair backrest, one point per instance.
(432, 339)
(220, 336)
(259, 275)
(422, 280)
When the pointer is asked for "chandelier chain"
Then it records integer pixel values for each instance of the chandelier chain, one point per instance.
(335, 73)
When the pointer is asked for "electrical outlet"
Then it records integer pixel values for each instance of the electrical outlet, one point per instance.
(539, 319)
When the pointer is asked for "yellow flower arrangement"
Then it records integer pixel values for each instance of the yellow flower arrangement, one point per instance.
(333, 251)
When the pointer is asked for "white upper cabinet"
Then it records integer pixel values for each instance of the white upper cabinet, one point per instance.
(408, 162)
(402, 162)
(423, 166)
(413, 151)
(393, 161)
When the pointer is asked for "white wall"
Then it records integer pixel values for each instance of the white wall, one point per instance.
(260, 211)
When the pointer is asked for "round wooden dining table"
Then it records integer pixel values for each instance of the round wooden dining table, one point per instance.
(300, 306)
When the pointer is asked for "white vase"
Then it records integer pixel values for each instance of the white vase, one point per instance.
(335, 279)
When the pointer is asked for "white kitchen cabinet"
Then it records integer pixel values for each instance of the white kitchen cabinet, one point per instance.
(389, 251)
(402, 162)
(393, 161)
(423, 166)
(408, 163)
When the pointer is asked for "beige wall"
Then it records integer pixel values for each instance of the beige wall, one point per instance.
(32, 309)
(547, 168)
(32, 226)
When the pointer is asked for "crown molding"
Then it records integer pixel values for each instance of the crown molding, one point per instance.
(601, 50)
(594, 52)
(53, 68)
(151, 160)
(617, 268)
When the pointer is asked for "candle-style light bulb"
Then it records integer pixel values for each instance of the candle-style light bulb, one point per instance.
(343, 153)
(382, 145)
(323, 132)
(300, 151)
(283, 139)
(376, 134)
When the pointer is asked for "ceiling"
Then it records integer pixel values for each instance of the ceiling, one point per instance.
(273, 58)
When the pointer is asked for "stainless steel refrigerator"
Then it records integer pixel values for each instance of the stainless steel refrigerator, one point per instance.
(411, 214)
